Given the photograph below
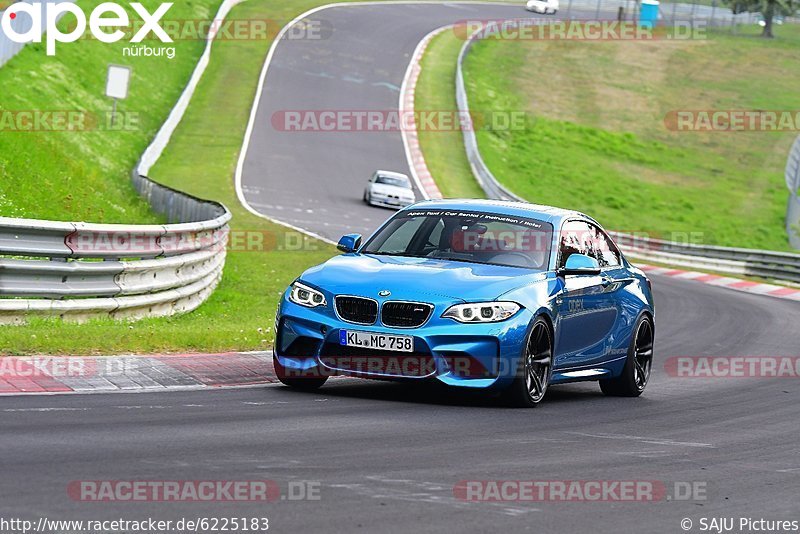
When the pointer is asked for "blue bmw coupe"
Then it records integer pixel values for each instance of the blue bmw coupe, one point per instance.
(501, 296)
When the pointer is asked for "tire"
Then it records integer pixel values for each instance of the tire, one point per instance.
(535, 368)
(366, 198)
(638, 365)
(297, 381)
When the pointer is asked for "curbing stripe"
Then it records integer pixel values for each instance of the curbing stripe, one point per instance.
(737, 284)
(416, 160)
(116, 374)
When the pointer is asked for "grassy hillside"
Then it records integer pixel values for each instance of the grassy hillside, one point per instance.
(596, 140)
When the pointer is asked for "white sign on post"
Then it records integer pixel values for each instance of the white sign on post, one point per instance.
(117, 85)
(117, 81)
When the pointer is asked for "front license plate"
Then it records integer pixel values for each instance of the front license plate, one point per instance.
(371, 340)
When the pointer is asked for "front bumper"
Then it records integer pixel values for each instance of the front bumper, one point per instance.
(389, 202)
(468, 355)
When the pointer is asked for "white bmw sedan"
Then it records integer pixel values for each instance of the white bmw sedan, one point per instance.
(389, 189)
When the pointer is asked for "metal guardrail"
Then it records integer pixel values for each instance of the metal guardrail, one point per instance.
(740, 261)
(79, 270)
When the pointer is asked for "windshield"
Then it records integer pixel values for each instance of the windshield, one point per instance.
(466, 236)
(393, 180)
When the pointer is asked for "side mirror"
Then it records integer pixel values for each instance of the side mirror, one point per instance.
(578, 264)
(349, 242)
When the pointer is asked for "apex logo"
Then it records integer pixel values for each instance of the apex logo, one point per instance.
(105, 16)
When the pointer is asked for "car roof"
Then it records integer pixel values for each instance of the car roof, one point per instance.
(391, 174)
(540, 212)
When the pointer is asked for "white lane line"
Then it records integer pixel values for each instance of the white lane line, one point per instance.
(653, 441)
(60, 409)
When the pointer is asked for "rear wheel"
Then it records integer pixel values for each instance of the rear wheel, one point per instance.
(297, 380)
(636, 373)
(535, 368)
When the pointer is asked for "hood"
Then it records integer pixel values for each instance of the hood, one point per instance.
(417, 278)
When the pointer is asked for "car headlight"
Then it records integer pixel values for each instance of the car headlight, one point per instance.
(305, 296)
(482, 312)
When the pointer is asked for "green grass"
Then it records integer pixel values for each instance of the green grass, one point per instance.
(435, 91)
(595, 138)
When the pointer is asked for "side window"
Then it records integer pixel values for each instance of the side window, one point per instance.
(575, 239)
(606, 252)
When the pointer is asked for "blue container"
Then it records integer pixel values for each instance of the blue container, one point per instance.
(648, 13)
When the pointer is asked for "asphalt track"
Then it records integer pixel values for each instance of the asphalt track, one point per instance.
(387, 456)
(315, 179)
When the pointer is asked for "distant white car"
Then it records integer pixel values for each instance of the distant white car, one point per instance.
(389, 189)
(543, 6)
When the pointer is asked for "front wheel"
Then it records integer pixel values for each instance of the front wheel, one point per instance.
(535, 368)
(636, 373)
(297, 380)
